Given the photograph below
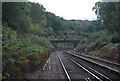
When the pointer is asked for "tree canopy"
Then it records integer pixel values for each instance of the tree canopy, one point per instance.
(109, 14)
(33, 18)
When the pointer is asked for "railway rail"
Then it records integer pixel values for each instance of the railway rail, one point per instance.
(112, 65)
(97, 63)
(72, 78)
(109, 65)
(64, 68)
(97, 76)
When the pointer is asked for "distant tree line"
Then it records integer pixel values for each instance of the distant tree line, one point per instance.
(33, 18)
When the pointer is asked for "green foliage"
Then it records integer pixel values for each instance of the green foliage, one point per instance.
(85, 47)
(16, 15)
(100, 36)
(111, 46)
(115, 38)
(64, 45)
(105, 37)
(108, 13)
(21, 54)
(55, 22)
(25, 39)
(84, 26)
(37, 12)
(32, 18)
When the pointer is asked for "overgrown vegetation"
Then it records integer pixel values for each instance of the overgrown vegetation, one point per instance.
(109, 14)
(28, 28)
(105, 43)
(21, 54)
(105, 37)
(24, 46)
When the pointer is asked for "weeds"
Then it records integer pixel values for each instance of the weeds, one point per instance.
(20, 54)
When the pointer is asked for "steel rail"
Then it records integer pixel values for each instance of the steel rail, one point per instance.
(105, 61)
(105, 77)
(84, 68)
(64, 68)
(87, 79)
(89, 70)
(116, 71)
(99, 73)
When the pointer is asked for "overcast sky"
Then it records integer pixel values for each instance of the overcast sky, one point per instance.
(70, 9)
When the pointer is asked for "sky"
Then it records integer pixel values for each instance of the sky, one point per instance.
(70, 9)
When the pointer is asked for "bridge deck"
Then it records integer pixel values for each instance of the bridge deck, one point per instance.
(74, 42)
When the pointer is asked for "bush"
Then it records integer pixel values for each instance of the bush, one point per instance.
(115, 38)
(106, 37)
(100, 36)
(20, 54)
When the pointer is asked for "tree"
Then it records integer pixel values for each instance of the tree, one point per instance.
(37, 12)
(54, 21)
(108, 14)
(16, 15)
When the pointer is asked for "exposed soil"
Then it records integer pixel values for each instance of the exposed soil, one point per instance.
(113, 54)
(105, 50)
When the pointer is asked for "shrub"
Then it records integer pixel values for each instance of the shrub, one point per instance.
(115, 38)
(100, 36)
(20, 54)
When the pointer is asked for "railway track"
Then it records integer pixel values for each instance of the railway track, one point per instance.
(64, 68)
(110, 65)
(91, 64)
(93, 74)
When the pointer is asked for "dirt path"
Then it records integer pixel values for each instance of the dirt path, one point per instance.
(51, 70)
